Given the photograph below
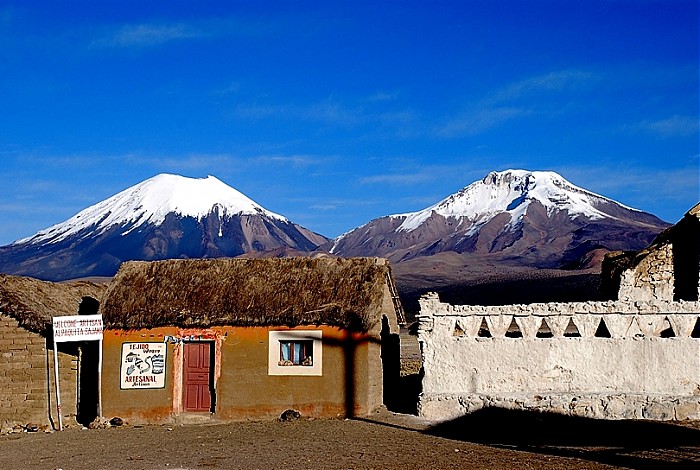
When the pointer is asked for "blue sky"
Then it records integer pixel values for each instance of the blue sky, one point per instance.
(335, 113)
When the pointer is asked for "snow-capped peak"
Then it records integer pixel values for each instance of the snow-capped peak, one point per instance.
(151, 200)
(511, 191)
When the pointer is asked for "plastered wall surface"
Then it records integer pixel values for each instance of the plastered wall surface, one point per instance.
(352, 376)
(598, 359)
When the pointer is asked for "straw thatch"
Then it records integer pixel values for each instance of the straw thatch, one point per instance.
(247, 292)
(34, 303)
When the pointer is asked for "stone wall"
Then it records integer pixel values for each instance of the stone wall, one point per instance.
(668, 269)
(24, 391)
(651, 279)
(598, 359)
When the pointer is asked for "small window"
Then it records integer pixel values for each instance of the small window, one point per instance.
(295, 352)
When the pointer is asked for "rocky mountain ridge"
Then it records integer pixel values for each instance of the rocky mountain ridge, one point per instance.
(518, 217)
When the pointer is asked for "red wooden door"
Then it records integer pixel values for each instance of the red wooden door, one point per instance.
(197, 373)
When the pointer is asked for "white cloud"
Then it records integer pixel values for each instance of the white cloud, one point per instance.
(479, 121)
(550, 82)
(326, 111)
(675, 126)
(324, 207)
(380, 97)
(154, 34)
(643, 188)
(292, 160)
(460, 173)
(498, 106)
(142, 35)
(397, 178)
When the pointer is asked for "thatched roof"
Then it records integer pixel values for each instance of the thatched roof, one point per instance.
(247, 292)
(33, 303)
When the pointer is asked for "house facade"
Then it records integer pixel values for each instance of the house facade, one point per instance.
(233, 339)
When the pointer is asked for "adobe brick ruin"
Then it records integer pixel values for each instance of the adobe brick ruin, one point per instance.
(666, 270)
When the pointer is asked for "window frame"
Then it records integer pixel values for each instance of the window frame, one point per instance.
(275, 340)
(297, 352)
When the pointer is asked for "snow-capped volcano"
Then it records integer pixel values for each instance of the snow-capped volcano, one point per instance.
(512, 191)
(535, 216)
(151, 201)
(167, 216)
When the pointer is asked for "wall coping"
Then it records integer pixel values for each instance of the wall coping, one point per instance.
(648, 319)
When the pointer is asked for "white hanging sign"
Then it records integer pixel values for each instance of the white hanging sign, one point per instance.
(77, 328)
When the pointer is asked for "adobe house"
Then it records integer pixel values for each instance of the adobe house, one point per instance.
(248, 338)
(27, 393)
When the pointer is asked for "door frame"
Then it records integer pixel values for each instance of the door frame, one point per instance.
(193, 335)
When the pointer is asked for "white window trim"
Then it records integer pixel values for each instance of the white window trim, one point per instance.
(274, 338)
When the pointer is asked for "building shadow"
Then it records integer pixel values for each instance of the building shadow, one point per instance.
(627, 443)
(404, 398)
(352, 340)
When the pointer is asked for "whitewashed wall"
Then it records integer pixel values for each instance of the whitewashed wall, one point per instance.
(634, 373)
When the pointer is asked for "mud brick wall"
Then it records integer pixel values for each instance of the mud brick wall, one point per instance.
(24, 391)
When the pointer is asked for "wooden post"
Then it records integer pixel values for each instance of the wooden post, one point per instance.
(99, 379)
(58, 387)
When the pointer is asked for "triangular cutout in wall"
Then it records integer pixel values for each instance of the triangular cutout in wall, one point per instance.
(696, 330)
(545, 331)
(484, 331)
(667, 331)
(572, 330)
(602, 330)
(514, 330)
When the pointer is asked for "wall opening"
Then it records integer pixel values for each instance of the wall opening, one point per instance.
(667, 331)
(602, 330)
(686, 260)
(545, 331)
(571, 330)
(484, 331)
(390, 350)
(514, 330)
(87, 408)
(696, 330)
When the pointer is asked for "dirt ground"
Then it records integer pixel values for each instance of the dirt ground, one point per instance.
(385, 440)
(492, 439)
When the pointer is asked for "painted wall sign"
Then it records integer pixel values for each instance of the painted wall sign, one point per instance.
(143, 365)
(77, 328)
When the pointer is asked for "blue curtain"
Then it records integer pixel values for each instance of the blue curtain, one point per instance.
(284, 348)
